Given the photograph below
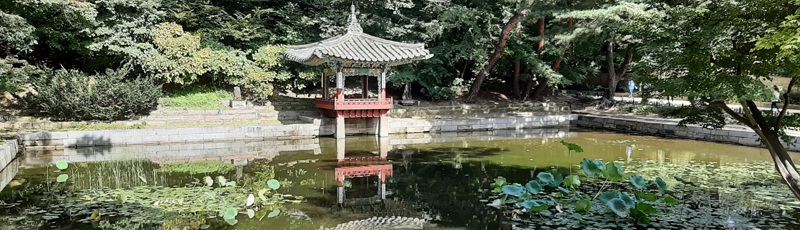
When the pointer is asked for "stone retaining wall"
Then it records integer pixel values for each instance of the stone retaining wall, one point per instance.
(318, 127)
(8, 151)
(669, 128)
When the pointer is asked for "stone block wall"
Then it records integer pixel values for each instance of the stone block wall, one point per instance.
(52, 140)
(8, 151)
(670, 128)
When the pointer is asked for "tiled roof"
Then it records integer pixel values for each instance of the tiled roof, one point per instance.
(356, 46)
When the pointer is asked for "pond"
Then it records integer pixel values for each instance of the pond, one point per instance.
(420, 181)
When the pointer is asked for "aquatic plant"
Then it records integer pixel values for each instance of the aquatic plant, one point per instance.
(551, 191)
(201, 167)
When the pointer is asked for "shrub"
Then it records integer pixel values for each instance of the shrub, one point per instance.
(201, 97)
(645, 110)
(627, 108)
(74, 95)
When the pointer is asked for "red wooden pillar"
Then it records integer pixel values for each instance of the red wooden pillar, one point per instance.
(324, 90)
(383, 86)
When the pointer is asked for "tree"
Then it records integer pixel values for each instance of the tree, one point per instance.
(708, 53)
(621, 26)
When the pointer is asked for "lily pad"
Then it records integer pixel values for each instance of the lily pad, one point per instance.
(62, 178)
(61, 165)
(250, 200)
(274, 213)
(230, 213)
(274, 184)
(208, 181)
(231, 221)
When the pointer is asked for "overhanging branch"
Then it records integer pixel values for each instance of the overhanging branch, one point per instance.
(785, 105)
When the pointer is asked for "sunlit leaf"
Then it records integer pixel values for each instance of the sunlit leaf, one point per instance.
(274, 184)
(62, 178)
(230, 213)
(61, 165)
(572, 147)
(572, 181)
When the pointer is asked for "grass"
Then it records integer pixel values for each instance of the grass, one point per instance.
(202, 167)
(197, 98)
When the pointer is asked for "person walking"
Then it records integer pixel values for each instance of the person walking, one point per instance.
(776, 97)
(631, 87)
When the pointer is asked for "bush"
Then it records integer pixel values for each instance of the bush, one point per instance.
(645, 110)
(73, 95)
(202, 97)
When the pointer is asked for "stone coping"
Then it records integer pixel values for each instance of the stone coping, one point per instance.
(317, 127)
(669, 127)
(8, 151)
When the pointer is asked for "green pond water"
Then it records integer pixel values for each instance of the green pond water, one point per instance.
(423, 181)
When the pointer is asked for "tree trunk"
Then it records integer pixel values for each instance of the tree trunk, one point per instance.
(770, 138)
(612, 75)
(528, 87)
(476, 86)
(515, 81)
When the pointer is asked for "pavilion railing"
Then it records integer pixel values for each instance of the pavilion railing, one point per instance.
(354, 102)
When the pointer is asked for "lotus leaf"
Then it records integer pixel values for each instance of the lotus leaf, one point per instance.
(572, 147)
(583, 205)
(547, 179)
(274, 213)
(514, 190)
(572, 181)
(61, 165)
(209, 182)
(590, 169)
(230, 213)
(62, 178)
(639, 182)
(618, 206)
(662, 186)
(535, 205)
(274, 184)
(613, 172)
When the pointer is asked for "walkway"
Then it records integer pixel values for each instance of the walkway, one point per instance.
(684, 102)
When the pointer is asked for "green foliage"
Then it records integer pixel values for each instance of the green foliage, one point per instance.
(73, 95)
(572, 147)
(536, 199)
(202, 98)
(645, 110)
(201, 167)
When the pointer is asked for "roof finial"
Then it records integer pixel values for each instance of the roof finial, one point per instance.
(353, 26)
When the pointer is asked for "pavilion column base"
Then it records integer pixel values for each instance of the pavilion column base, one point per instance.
(340, 130)
(383, 126)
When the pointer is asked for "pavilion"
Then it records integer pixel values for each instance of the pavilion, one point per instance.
(356, 54)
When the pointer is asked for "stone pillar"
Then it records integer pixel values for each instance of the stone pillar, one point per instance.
(384, 126)
(340, 192)
(383, 144)
(340, 149)
(340, 131)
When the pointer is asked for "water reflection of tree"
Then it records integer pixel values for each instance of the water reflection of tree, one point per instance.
(452, 196)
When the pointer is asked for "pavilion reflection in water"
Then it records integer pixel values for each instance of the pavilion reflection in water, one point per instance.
(385, 213)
